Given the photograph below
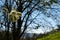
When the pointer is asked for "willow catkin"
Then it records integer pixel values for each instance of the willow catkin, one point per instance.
(14, 15)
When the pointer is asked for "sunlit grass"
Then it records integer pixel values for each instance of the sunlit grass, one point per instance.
(54, 36)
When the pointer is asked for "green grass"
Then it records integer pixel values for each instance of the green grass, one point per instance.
(53, 36)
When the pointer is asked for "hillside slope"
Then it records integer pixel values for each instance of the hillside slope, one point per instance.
(53, 36)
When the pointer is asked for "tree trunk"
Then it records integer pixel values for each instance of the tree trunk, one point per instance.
(19, 22)
(14, 31)
(17, 31)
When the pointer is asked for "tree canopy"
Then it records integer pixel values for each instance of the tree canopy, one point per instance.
(19, 15)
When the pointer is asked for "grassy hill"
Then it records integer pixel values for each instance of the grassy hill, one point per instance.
(52, 36)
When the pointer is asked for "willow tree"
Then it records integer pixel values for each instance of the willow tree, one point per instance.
(13, 12)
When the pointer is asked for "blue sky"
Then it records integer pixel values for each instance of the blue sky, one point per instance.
(46, 20)
(2, 2)
(42, 18)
